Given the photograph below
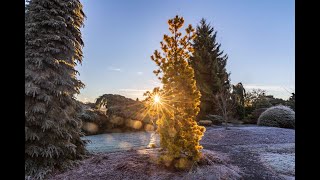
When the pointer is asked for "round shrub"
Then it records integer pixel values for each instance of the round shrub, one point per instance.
(278, 116)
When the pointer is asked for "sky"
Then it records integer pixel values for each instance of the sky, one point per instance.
(121, 35)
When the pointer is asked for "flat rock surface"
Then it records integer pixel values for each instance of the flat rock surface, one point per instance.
(242, 152)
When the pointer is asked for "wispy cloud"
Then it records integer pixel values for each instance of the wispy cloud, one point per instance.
(264, 87)
(134, 90)
(155, 83)
(139, 73)
(115, 69)
(267, 87)
(84, 99)
(133, 93)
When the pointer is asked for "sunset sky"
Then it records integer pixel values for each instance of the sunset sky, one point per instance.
(121, 35)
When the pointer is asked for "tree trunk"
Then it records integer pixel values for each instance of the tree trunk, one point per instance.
(225, 121)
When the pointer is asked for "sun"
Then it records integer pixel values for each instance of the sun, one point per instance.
(157, 104)
(156, 99)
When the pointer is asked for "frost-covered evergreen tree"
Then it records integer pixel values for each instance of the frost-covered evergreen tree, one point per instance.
(209, 64)
(179, 132)
(53, 47)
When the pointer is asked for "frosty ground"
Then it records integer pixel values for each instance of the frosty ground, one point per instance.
(242, 152)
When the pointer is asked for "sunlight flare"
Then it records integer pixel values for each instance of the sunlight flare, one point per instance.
(157, 99)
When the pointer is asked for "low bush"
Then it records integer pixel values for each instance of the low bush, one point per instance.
(278, 116)
(216, 119)
(253, 117)
(205, 122)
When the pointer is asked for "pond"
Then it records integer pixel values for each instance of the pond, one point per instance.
(112, 142)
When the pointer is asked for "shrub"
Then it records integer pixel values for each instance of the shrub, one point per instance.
(249, 120)
(205, 122)
(253, 117)
(257, 112)
(93, 121)
(113, 113)
(216, 119)
(278, 116)
(262, 102)
(149, 127)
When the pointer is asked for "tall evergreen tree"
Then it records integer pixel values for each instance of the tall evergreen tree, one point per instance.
(179, 132)
(209, 64)
(53, 47)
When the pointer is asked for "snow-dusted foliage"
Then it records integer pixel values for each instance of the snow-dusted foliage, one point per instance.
(278, 116)
(53, 46)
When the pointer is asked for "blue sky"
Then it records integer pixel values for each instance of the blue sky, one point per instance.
(121, 35)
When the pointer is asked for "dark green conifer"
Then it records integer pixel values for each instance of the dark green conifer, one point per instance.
(209, 64)
(53, 47)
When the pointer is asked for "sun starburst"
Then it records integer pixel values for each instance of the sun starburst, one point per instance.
(158, 104)
(156, 99)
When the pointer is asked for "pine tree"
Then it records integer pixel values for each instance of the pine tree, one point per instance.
(53, 47)
(291, 101)
(239, 94)
(209, 65)
(179, 132)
